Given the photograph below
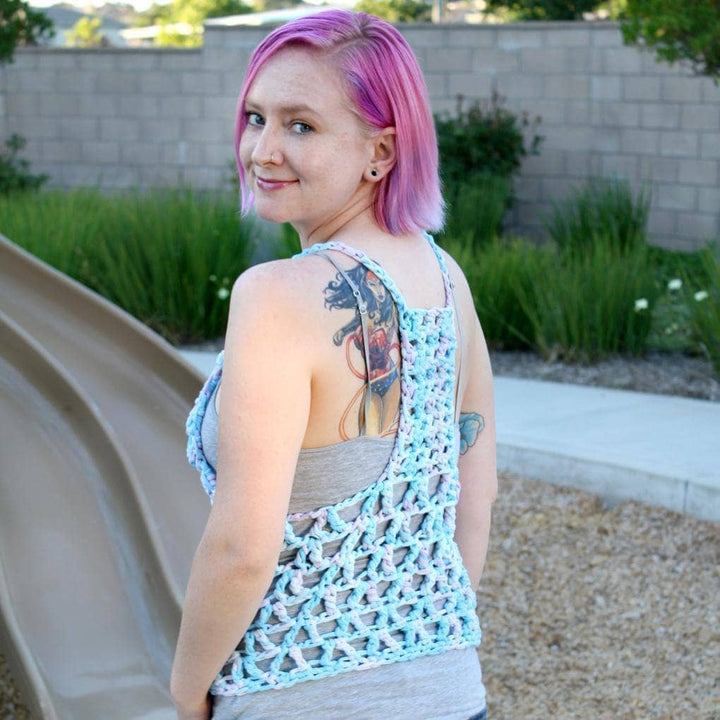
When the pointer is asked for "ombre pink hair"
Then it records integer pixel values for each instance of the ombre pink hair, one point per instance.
(386, 86)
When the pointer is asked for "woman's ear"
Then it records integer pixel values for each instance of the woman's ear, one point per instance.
(383, 155)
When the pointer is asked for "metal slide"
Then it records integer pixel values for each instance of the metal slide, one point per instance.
(99, 512)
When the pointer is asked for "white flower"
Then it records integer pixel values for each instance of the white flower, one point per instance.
(223, 293)
(675, 284)
(700, 295)
(641, 304)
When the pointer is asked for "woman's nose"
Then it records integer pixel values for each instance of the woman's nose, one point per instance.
(267, 150)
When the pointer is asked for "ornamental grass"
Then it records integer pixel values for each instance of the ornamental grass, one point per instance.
(168, 257)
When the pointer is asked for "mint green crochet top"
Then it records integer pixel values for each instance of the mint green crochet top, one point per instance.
(376, 578)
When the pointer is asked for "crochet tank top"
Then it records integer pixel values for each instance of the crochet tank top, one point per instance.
(376, 577)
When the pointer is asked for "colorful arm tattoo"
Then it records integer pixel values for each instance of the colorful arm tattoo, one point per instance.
(470, 426)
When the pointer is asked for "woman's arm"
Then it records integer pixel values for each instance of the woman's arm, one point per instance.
(478, 467)
(264, 406)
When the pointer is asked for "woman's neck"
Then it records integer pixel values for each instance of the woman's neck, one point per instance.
(354, 219)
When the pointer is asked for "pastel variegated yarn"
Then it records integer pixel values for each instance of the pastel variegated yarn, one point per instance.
(193, 428)
(376, 578)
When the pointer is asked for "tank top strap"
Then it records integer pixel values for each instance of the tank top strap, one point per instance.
(380, 271)
(451, 300)
(447, 280)
(377, 269)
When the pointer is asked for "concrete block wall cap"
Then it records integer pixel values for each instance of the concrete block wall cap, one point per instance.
(60, 51)
(523, 25)
(221, 24)
(561, 24)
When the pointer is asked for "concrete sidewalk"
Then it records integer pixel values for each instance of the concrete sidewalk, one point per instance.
(619, 445)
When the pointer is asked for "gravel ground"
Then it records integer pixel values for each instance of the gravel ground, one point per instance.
(596, 613)
(591, 612)
(664, 373)
(11, 707)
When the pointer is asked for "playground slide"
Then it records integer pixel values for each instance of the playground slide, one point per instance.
(99, 512)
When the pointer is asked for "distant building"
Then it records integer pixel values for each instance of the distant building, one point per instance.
(273, 17)
(65, 18)
(146, 36)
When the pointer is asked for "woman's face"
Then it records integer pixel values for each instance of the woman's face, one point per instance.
(304, 151)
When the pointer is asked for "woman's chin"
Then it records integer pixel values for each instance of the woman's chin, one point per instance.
(270, 214)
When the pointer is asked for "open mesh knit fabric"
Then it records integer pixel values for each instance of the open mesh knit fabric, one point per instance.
(376, 578)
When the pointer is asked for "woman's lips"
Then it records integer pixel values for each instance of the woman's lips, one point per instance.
(268, 184)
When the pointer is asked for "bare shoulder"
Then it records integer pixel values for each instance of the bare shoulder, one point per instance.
(278, 285)
(279, 304)
(274, 275)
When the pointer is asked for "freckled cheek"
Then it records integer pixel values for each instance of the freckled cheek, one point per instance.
(246, 150)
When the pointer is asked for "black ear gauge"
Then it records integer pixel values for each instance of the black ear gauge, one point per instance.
(373, 173)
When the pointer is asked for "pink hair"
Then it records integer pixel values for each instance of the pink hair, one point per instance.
(387, 88)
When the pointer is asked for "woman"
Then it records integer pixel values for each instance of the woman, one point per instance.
(342, 535)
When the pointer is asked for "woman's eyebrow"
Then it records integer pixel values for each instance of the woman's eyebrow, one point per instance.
(294, 109)
(299, 108)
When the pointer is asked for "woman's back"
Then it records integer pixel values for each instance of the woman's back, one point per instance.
(402, 584)
(411, 266)
(416, 278)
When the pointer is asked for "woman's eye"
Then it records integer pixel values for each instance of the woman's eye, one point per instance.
(302, 128)
(254, 118)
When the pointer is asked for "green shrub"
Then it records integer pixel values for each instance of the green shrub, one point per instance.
(671, 329)
(605, 212)
(544, 9)
(496, 273)
(585, 307)
(485, 138)
(167, 257)
(582, 307)
(481, 148)
(397, 11)
(578, 308)
(670, 264)
(475, 210)
(15, 175)
(175, 262)
(703, 300)
(502, 270)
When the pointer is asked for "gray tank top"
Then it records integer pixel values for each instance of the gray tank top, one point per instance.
(447, 686)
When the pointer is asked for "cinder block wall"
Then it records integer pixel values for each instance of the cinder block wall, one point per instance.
(123, 118)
